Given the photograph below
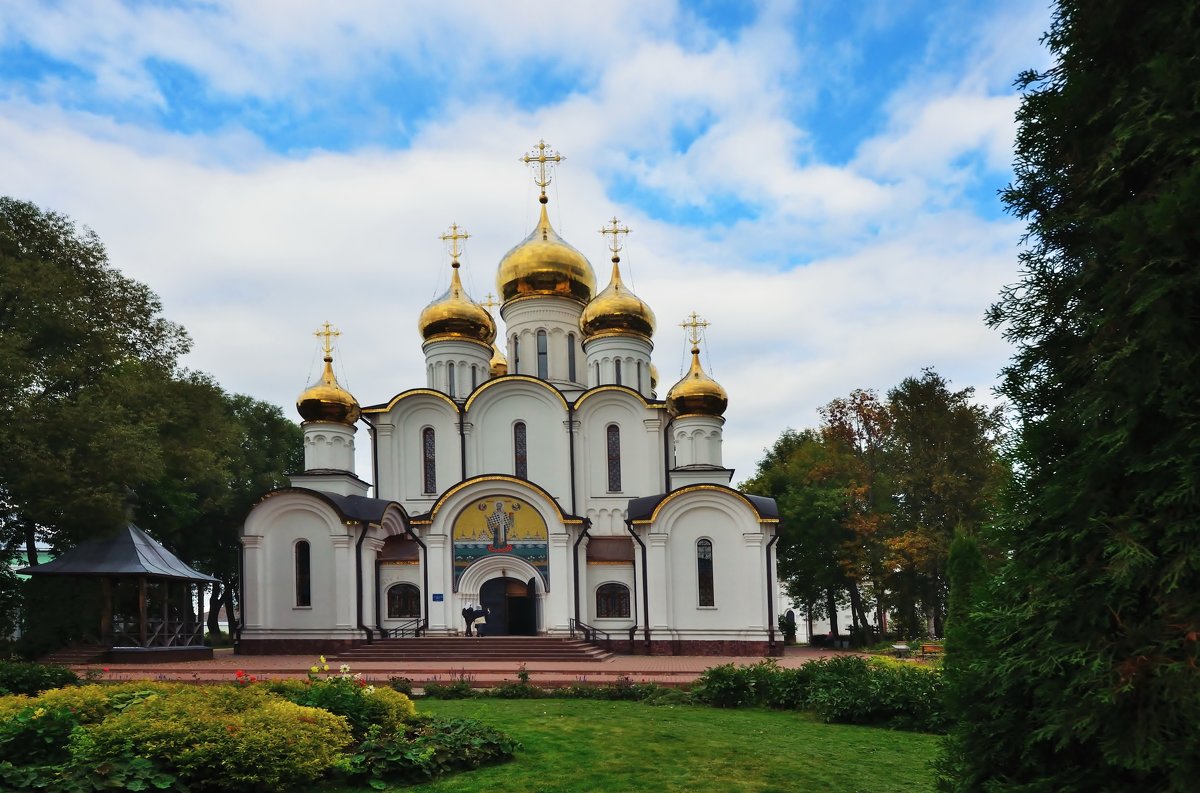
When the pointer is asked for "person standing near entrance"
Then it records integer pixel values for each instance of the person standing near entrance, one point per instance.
(481, 615)
(469, 615)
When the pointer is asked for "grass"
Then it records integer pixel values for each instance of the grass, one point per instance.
(582, 745)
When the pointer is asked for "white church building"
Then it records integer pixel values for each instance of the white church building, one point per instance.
(534, 471)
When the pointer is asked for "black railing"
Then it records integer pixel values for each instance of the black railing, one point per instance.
(590, 634)
(411, 628)
(126, 632)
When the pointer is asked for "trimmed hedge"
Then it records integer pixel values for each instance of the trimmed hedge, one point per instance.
(21, 677)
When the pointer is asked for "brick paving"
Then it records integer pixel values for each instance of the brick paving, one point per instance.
(662, 669)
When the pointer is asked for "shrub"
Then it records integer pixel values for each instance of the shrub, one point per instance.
(402, 684)
(733, 686)
(518, 690)
(851, 690)
(430, 748)
(19, 677)
(457, 689)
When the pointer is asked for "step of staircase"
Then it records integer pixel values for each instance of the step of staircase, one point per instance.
(487, 648)
(76, 654)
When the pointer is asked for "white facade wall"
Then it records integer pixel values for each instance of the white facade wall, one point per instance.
(468, 360)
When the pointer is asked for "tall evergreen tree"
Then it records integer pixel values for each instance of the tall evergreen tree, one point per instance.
(1091, 676)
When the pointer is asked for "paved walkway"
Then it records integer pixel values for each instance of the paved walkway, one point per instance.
(663, 669)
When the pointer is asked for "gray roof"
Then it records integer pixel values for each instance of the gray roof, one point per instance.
(356, 508)
(642, 508)
(128, 552)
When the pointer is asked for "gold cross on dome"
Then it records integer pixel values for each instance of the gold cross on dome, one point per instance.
(694, 325)
(328, 333)
(615, 229)
(454, 236)
(539, 156)
(490, 302)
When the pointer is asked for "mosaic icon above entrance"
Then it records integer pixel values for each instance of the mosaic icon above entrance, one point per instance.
(500, 525)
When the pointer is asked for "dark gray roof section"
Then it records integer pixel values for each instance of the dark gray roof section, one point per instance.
(356, 508)
(642, 508)
(128, 552)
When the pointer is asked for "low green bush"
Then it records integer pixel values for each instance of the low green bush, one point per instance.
(456, 689)
(430, 747)
(21, 677)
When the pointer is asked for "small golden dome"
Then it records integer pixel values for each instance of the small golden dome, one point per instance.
(544, 264)
(697, 393)
(617, 309)
(455, 315)
(325, 400)
(499, 364)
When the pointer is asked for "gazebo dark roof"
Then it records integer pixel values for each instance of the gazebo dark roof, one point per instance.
(128, 552)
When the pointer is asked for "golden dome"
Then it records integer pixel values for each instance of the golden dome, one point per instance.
(499, 364)
(697, 393)
(455, 315)
(544, 264)
(325, 400)
(617, 309)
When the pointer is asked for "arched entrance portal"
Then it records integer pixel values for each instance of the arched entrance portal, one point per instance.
(511, 605)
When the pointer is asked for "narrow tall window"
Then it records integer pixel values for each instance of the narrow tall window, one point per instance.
(543, 355)
(403, 600)
(428, 455)
(614, 458)
(597, 373)
(639, 376)
(450, 379)
(303, 581)
(516, 355)
(617, 371)
(612, 601)
(520, 452)
(474, 377)
(571, 357)
(704, 573)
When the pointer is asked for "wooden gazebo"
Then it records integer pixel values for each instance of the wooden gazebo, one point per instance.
(146, 612)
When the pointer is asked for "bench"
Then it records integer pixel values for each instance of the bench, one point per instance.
(932, 650)
(901, 650)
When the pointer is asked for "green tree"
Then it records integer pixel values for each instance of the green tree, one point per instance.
(1091, 629)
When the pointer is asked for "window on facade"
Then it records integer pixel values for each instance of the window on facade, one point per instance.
(516, 355)
(617, 372)
(571, 357)
(704, 573)
(428, 455)
(614, 458)
(403, 600)
(450, 379)
(474, 377)
(543, 355)
(639, 376)
(597, 373)
(612, 601)
(520, 452)
(303, 580)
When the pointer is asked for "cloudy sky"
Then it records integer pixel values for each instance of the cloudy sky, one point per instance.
(817, 179)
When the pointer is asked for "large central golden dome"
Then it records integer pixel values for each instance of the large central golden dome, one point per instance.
(544, 264)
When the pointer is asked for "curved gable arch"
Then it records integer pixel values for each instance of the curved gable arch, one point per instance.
(529, 385)
(727, 499)
(612, 390)
(410, 394)
(475, 486)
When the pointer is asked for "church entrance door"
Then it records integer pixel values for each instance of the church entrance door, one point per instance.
(511, 608)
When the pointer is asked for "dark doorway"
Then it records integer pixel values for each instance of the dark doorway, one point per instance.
(511, 608)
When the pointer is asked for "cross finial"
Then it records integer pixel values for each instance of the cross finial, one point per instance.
(544, 173)
(614, 228)
(694, 325)
(454, 235)
(490, 302)
(328, 333)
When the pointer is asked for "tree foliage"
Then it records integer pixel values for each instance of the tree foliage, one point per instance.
(1089, 680)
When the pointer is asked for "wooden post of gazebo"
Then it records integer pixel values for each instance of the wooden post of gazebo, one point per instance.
(142, 610)
(106, 610)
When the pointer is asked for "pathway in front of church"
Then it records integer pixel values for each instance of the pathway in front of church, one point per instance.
(662, 669)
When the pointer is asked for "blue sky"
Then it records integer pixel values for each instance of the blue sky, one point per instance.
(817, 178)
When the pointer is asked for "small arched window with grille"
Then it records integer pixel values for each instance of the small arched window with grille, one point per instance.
(614, 458)
(543, 355)
(617, 371)
(704, 573)
(520, 452)
(403, 600)
(516, 355)
(474, 377)
(303, 575)
(612, 601)
(639, 377)
(429, 461)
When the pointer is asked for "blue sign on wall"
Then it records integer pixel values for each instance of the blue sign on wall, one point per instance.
(438, 597)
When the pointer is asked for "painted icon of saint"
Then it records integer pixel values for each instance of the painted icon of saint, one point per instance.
(499, 523)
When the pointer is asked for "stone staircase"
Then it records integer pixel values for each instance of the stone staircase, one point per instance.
(463, 648)
(76, 655)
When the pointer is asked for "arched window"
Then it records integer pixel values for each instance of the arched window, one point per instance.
(303, 579)
(704, 573)
(520, 452)
(639, 376)
(614, 458)
(428, 456)
(516, 355)
(597, 373)
(612, 601)
(571, 357)
(474, 377)
(617, 371)
(450, 379)
(543, 355)
(403, 600)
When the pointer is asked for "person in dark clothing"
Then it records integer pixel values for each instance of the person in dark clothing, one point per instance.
(481, 615)
(470, 613)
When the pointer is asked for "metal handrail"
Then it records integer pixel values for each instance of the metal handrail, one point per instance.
(590, 633)
(412, 628)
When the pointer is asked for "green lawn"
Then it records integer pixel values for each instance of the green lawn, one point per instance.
(582, 745)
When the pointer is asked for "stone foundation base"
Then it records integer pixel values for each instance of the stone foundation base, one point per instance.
(312, 647)
(154, 655)
(700, 647)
